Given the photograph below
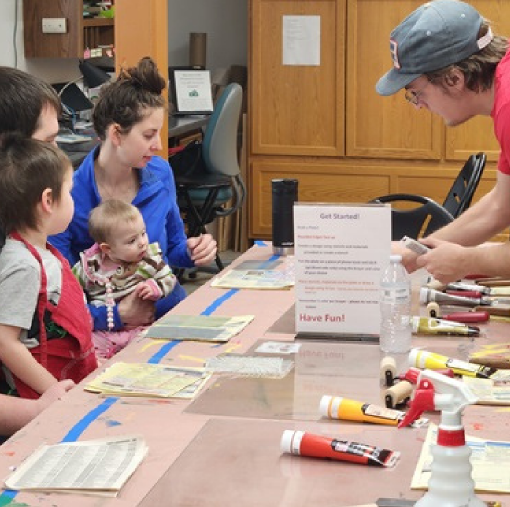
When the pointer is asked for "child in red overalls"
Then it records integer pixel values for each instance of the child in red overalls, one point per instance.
(45, 327)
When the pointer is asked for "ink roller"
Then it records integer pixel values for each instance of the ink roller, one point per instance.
(458, 286)
(428, 295)
(434, 311)
(398, 394)
(388, 370)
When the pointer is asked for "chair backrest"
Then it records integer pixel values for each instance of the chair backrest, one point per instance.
(418, 221)
(464, 187)
(219, 147)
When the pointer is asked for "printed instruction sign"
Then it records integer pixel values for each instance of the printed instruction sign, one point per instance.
(340, 253)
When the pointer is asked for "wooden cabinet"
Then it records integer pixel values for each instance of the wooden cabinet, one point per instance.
(326, 125)
(81, 33)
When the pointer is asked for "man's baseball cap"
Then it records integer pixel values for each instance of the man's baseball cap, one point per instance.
(437, 34)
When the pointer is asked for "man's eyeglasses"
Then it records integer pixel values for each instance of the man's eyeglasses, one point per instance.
(413, 96)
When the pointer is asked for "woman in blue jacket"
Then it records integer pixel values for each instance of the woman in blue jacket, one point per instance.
(128, 118)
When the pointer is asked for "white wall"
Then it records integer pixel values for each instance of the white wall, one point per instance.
(224, 21)
(53, 70)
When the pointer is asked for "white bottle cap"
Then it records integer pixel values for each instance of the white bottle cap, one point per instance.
(415, 322)
(395, 258)
(291, 441)
(328, 406)
(424, 295)
(413, 356)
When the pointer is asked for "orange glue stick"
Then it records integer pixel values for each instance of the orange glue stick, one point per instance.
(336, 407)
(318, 446)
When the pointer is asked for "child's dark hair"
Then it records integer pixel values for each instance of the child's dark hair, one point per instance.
(27, 168)
(125, 100)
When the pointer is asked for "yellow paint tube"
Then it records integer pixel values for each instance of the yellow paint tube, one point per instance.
(336, 407)
(424, 359)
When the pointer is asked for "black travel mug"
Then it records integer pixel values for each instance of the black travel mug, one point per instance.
(285, 194)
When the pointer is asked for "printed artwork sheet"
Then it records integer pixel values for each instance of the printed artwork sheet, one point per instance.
(490, 461)
(95, 466)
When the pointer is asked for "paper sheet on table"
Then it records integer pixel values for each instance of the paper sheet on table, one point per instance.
(261, 279)
(490, 461)
(142, 379)
(96, 466)
(207, 328)
(489, 391)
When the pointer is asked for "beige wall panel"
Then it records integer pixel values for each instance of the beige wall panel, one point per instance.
(378, 126)
(297, 110)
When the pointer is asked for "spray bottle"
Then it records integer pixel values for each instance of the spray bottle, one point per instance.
(450, 484)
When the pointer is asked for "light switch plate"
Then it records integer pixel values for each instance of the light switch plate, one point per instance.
(54, 25)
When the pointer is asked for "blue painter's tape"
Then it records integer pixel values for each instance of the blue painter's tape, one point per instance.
(7, 497)
(258, 242)
(219, 301)
(75, 432)
(269, 261)
(163, 351)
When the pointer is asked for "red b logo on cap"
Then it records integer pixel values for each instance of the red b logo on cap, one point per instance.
(394, 53)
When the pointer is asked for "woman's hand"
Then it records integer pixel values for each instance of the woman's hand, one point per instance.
(135, 311)
(202, 249)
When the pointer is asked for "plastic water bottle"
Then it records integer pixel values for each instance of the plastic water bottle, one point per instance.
(395, 305)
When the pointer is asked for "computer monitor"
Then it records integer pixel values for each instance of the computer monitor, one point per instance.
(73, 97)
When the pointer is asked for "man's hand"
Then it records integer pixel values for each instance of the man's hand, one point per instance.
(135, 311)
(202, 249)
(446, 262)
(408, 257)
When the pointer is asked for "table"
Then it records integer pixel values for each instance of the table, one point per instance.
(222, 449)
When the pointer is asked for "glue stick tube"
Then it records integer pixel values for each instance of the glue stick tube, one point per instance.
(336, 407)
(424, 359)
(318, 446)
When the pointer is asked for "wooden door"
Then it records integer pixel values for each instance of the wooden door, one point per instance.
(296, 109)
(382, 127)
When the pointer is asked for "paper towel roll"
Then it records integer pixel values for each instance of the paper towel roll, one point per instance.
(197, 49)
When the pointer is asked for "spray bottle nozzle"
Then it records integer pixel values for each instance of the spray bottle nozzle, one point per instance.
(439, 392)
(423, 400)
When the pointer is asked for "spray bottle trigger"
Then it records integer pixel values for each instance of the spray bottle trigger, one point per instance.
(423, 400)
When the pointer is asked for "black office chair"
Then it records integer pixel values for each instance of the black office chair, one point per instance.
(415, 222)
(215, 188)
(464, 187)
(422, 220)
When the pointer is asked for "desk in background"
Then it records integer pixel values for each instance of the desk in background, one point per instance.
(183, 126)
(78, 151)
(223, 448)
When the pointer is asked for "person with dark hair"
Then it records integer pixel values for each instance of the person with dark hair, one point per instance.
(128, 118)
(28, 105)
(31, 107)
(448, 60)
(45, 328)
